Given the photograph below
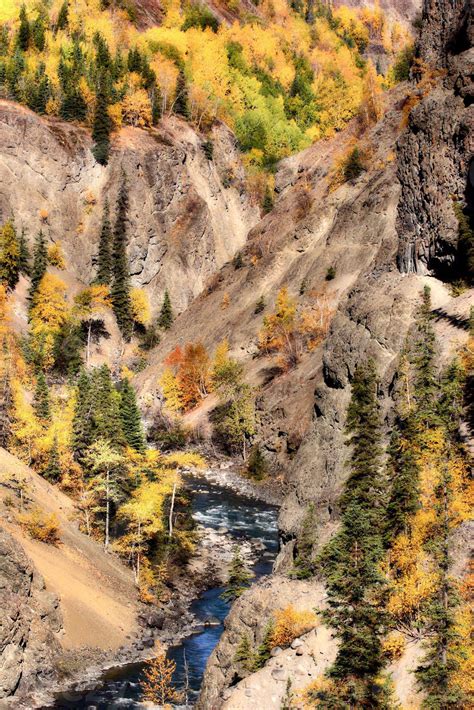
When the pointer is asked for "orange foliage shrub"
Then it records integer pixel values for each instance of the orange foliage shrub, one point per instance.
(289, 624)
(40, 526)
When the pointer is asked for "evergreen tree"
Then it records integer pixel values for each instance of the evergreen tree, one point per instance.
(181, 104)
(121, 300)
(423, 358)
(166, 317)
(130, 416)
(239, 577)
(82, 425)
(24, 31)
(40, 263)
(9, 256)
(52, 472)
(73, 107)
(102, 126)
(104, 258)
(38, 31)
(256, 464)
(351, 560)
(41, 403)
(6, 399)
(264, 649)
(106, 418)
(403, 473)
(244, 653)
(304, 566)
(63, 16)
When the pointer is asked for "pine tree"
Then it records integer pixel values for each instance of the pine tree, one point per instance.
(52, 472)
(121, 300)
(41, 403)
(244, 653)
(256, 464)
(166, 317)
(24, 31)
(130, 416)
(104, 258)
(351, 560)
(40, 263)
(82, 425)
(264, 649)
(38, 31)
(102, 126)
(6, 398)
(181, 104)
(106, 418)
(9, 256)
(24, 257)
(423, 358)
(239, 577)
(63, 16)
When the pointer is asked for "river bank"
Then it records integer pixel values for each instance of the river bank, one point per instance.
(223, 519)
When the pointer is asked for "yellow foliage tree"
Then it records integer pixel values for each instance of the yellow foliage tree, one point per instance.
(56, 256)
(141, 310)
(48, 314)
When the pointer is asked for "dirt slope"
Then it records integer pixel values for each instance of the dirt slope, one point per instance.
(92, 593)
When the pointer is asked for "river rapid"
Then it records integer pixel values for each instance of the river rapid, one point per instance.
(212, 507)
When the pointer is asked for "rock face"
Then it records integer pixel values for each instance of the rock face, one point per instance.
(435, 154)
(28, 623)
(183, 223)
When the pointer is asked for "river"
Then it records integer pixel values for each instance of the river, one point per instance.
(213, 507)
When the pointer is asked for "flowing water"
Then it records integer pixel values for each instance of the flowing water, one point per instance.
(215, 508)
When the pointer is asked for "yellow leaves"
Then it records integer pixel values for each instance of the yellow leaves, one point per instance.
(146, 504)
(140, 306)
(50, 309)
(40, 526)
(92, 300)
(136, 109)
(289, 624)
(56, 256)
(171, 391)
(394, 646)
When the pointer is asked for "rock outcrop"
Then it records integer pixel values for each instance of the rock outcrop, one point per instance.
(187, 216)
(29, 622)
(435, 153)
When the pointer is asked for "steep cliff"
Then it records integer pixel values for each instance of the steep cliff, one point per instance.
(183, 223)
(435, 153)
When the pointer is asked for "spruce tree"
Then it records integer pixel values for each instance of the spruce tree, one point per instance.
(181, 104)
(121, 301)
(106, 420)
(63, 16)
(41, 403)
(40, 263)
(351, 560)
(6, 399)
(130, 416)
(166, 317)
(24, 31)
(9, 256)
(423, 358)
(38, 31)
(52, 472)
(82, 425)
(239, 577)
(104, 257)
(102, 126)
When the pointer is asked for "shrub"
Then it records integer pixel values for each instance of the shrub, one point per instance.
(394, 646)
(208, 149)
(256, 464)
(353, 166)
(289, 624)
(260, 305)
(403, 62)
(56, 256)
(41, 526)
(330, 273)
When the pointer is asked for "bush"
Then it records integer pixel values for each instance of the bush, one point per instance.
(208, 149)
(40, 526)
(256, 464)
(330, 273)
(260, 305)
(353, 166)
(403, 62)
(289, 624)
(394, 646)
(200, 17)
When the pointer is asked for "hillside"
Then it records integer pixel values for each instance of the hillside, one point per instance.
(64, 615)
(237, 254)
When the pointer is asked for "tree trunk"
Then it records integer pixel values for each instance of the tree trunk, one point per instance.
(107, 508)
(88, 350)
(170, 534)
